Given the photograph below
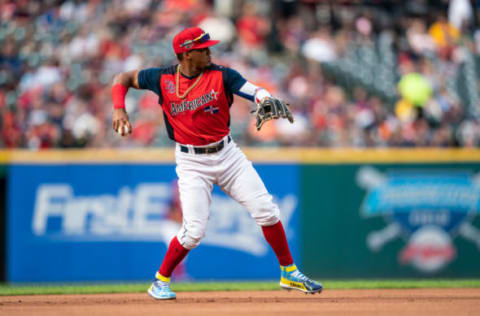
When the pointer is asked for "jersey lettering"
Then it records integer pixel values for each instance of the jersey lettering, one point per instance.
(177, 108)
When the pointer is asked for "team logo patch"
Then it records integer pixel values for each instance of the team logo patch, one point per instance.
(170, 86)
(211, 109)
(428, 209)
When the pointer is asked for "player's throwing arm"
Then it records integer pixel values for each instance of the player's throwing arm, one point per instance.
(121, 83)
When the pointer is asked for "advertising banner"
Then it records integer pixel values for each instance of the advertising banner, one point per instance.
(391, 220)
(3, 212)
(98, 222)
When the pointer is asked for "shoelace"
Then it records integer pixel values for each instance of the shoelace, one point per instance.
(299, 275)
(162, 285)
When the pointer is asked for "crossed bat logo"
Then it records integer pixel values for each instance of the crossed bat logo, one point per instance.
(170, 86)
(426, 208)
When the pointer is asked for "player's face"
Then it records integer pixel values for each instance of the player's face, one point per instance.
(201, 57)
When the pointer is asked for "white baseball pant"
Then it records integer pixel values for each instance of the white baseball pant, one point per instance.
(234, 174)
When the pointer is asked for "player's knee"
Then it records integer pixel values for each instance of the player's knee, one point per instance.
(267, 220)
(267, 215)
(191, 237)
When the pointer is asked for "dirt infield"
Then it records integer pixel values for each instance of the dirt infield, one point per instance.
(422, 302)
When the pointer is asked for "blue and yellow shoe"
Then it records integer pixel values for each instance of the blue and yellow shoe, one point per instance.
(292, 279)
(160, 288)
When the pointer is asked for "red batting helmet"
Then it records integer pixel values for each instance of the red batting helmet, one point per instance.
(192, 38)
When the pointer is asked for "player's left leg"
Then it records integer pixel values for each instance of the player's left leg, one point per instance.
(242, 182)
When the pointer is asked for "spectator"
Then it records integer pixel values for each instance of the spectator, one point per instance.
(338, 65)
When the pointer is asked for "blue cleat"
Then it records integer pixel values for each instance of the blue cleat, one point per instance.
(292, 279)
(160, 288)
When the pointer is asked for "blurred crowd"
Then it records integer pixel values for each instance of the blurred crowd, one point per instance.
(364, 73)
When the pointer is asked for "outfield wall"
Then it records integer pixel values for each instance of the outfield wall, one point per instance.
(94, 215)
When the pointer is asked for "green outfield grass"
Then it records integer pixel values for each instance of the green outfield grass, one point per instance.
(35, 289)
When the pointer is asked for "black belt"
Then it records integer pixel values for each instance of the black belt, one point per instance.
(207, 150)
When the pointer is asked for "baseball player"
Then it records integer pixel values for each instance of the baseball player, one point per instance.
(196, 96)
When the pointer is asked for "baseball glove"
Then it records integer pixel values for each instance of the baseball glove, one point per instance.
(271, 108)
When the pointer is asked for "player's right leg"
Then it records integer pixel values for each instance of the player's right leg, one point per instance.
(195, 187)
(160, 288)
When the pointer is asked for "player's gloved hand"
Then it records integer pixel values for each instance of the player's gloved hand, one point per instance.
(121, 123)
(271, 108)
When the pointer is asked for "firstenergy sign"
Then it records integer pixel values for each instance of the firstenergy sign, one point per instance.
(141, 213)
(138, 212)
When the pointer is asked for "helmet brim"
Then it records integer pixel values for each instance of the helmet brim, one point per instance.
(208, 43)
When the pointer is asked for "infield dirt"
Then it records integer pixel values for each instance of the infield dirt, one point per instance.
(403, 302)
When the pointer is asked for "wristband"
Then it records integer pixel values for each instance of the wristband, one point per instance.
(119, 92)
(260, 94)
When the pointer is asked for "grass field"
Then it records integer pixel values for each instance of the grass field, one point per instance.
(36, 289)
